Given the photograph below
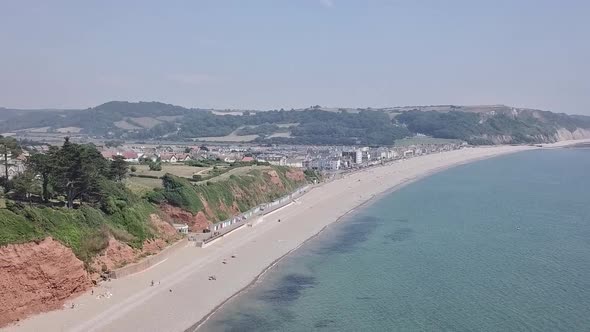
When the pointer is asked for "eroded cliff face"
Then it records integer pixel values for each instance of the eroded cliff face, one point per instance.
(296, 175)
(566, 135)
(196, 222)
(118, 254)
(36, 277)
(241, 195)
(561, 134)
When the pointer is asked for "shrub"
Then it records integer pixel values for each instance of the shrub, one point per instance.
(155, 166)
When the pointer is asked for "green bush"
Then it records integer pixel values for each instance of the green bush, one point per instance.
(155, 166)
(16, 229)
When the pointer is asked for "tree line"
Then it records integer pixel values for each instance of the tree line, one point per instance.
(68, 173)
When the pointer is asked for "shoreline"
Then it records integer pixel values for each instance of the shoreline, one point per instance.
(135, 307)
(354, 209)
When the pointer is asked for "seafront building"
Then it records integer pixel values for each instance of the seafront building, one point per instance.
(322, 158)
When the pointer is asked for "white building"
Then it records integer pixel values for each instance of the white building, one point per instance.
(333, 164)
(358, 159)
(293, 162)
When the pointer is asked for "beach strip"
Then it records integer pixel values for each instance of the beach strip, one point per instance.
(183, 295)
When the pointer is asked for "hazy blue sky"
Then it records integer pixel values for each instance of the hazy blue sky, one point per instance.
(273, 54)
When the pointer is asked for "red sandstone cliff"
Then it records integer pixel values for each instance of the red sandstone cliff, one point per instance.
(37, 277)
(118, 254)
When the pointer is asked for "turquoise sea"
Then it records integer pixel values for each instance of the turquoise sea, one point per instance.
(497, 245)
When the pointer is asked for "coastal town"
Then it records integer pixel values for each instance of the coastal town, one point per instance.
(324, 158)
(183, 160)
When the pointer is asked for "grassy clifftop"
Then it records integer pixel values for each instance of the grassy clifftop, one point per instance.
(86, 230)
(126, 217)
(238, 193)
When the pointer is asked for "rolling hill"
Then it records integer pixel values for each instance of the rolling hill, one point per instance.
(494, 124)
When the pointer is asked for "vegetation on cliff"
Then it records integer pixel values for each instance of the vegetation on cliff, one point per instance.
(238, 192)
(77, 197)
(85, 230)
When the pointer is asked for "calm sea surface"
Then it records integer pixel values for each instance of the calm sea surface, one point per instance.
(497, 245)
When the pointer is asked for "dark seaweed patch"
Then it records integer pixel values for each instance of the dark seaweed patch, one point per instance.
(289, 289)
(350, 234)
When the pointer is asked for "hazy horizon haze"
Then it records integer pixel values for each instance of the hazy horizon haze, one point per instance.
(293, 54)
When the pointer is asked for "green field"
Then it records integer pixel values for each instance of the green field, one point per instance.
(142, 185)
(237, 172)
(175, 169)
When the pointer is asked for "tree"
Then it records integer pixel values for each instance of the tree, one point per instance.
(25, 184)
(155, 166)
(78, 171)
(118, 168)
(41, 164)
(8, 146)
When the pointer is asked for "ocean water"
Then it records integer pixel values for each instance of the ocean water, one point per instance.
(497, 245)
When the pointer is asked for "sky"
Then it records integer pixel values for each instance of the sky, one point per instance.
(255, 54)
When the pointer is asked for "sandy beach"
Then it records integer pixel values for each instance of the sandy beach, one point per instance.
(182, 295)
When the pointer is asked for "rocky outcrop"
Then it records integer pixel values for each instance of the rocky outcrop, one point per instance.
(116, 254)
(36, 277)
(196, 222)
(296, 175)
(164, 229)
(275, 179)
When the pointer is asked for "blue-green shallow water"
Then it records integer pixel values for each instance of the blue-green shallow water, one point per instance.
(497, 245)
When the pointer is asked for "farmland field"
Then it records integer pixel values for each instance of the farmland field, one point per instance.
(141, 186)
(175, 169)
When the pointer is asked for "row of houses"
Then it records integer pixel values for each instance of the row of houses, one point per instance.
(334, 160)
(320, 158)
(133, 157)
